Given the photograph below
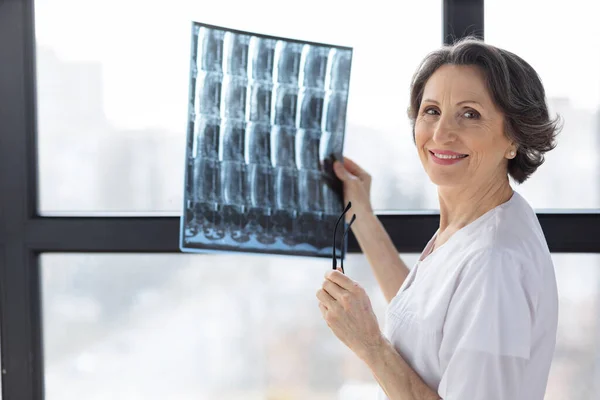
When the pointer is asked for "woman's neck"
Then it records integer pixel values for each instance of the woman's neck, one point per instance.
(461, 206)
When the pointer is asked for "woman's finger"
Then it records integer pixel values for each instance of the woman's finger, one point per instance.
(323, 308)
(354, 168)
(325, 298)
(341, 280)
(334, 290)
(342, 173)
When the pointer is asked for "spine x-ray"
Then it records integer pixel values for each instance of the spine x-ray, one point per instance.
(267, 118)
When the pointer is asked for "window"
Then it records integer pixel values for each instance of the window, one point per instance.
(565, 56)
(109, 100)
(112, 98)
(575, 371)
(196, 327)
(240, 327)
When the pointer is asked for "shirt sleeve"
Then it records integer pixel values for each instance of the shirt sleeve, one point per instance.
(487, 332)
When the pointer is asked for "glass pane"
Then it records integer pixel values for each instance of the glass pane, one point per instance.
(196, 327)
(245, 327)
(568, 63)
(113, 102)
(575, 372)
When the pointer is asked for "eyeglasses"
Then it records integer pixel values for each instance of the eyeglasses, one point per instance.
(343, 246)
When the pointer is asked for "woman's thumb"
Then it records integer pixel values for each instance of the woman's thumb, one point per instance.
(341, 172)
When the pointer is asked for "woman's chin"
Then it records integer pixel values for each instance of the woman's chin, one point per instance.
(446, 180)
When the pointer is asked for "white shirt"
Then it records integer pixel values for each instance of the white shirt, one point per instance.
(477, 317)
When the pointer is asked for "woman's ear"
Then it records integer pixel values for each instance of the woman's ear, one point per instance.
(512, 152)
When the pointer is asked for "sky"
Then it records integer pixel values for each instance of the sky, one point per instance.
(144, 47)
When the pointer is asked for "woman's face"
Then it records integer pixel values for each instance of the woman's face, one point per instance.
(459, 132)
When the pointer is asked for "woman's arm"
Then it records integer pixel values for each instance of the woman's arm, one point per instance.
(397, 379)
(374, 241)
(348, 312)
(388, 268)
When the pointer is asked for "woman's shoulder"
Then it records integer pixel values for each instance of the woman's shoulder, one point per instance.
(508, 240)
(504, 256)
(511, 230)
(499, 269)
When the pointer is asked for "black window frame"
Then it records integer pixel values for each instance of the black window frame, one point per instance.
(24, 234)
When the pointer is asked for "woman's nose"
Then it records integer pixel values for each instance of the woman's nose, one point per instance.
(445, 130)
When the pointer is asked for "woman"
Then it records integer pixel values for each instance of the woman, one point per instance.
(476, 317)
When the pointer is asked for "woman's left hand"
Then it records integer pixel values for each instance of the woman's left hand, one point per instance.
(348, 312)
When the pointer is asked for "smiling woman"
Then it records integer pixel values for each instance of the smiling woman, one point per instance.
(482, 299)
(493, 104)
(458, 125)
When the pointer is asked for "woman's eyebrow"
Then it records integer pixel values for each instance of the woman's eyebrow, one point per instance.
(458, 104)
(469, 101)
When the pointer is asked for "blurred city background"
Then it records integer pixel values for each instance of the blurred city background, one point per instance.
(112, 108)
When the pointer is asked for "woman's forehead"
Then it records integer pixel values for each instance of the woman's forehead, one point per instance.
(457, 83)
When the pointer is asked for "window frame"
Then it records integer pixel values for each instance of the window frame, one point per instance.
(24, 234)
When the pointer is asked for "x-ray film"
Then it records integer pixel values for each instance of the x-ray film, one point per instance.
(267, 118)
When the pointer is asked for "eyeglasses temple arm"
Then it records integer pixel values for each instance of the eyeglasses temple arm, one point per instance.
(335, 232)
(344, 241)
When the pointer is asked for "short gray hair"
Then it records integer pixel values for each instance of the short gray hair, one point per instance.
(516, 90)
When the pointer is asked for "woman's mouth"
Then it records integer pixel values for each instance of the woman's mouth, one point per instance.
(446, 157)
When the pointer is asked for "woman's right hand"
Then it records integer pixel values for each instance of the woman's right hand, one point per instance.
(357, 186)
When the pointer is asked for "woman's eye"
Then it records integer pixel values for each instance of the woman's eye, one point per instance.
(471, 114)
(431, 111)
